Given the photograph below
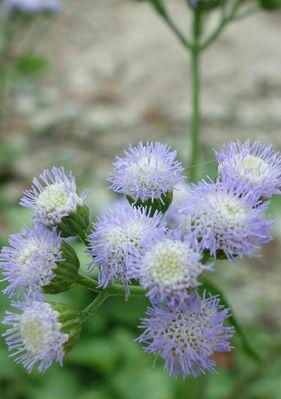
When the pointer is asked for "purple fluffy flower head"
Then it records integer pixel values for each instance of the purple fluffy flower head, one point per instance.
(255, 164)
(35, 335)
(29, 262)
(169, 268)
(117, 237)
(147, 172)
(186, 337)
(53, 196)
(226, 216)
(32, 6)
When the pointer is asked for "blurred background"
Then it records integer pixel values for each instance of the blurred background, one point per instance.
(99, 75)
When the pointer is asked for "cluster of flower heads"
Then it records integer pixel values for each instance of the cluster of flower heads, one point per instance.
(118, 237)
(136, 243)
(37, 259)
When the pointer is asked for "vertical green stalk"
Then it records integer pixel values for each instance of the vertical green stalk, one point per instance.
(3, 80)
(2, 87)
(6, 39)
(196, 109)
(2, 69)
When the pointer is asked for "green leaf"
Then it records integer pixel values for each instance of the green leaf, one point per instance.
(96, 353)
(30, 64)
(214, 290)
(57, 383)
(139, 383)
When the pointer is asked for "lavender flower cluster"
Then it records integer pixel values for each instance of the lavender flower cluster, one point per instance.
(36, 261)
(136, 244)
(31, 7)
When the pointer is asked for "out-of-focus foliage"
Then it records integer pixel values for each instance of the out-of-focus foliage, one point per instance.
(29, 64)
(270, 5)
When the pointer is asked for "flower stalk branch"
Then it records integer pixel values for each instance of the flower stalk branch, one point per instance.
(195, 48)
(226, 19)
(162, 12)
(94, 306)
(114, 289)
(196, 109)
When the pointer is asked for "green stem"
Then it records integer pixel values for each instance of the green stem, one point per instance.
(116, 289)
(196, 87)
(89, 283)
(7, 35)
(162, 12)
(94, 306)
(224, 21)
(247, 13)
(83, 237)
(2, 90)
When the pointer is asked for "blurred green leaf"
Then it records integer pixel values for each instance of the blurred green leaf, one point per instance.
(136, 378)
(16, 217)
(55, 384)
(127, 312)
(97, 353)
(95, 394)
(133, 382)
(30, 65)
(275, 205)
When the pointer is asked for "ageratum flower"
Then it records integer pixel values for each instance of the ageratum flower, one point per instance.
(119, 235)
(226, 216)
(29, 262)
(186, 337)
(169, 268)
(147, 172)
(32, 6)
(257, 165)
(53, 196)
(35, 335)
